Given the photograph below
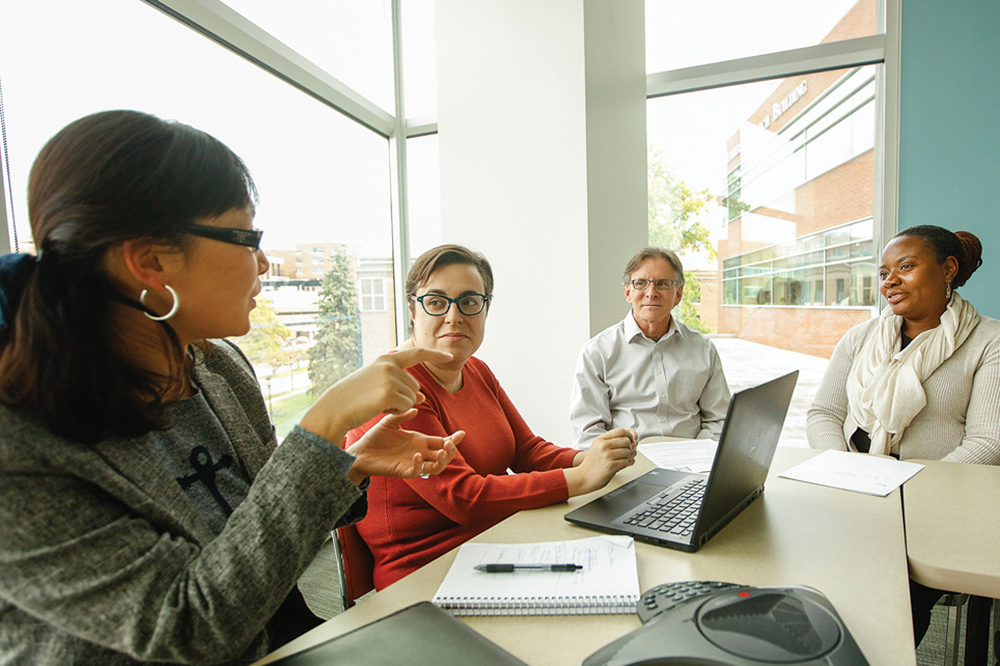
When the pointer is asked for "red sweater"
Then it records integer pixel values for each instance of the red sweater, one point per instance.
(413, 521)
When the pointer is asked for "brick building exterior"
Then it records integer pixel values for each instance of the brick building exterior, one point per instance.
(796, 257)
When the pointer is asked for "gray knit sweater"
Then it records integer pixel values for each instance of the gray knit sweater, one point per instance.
(105, 560)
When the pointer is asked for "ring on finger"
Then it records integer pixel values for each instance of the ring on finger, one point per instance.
(423, 474)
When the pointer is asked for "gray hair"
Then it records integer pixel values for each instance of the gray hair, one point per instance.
(653, 252)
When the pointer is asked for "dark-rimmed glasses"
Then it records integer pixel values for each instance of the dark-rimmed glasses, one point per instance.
(246, 237)
(436, 305)
(660, 285)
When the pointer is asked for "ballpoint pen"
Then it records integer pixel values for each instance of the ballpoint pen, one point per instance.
(511, 568)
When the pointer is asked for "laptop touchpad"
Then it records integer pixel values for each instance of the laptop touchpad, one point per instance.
(624, 501)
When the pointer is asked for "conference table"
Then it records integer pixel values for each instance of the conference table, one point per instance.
(953, 539)
(847, 545)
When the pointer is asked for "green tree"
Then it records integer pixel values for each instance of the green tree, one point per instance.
(337, 351)
(673, 210)
(264, 343)
(673, 213)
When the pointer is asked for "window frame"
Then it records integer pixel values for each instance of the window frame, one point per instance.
(881, 49)
(230, 29)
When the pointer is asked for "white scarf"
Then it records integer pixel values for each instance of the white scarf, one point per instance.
(884, 387)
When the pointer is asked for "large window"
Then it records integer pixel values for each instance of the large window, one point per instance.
(767, 159)
(683, 34)
(769, 187)
(324, 180)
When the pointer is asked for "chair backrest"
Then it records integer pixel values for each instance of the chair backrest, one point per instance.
(355, 564)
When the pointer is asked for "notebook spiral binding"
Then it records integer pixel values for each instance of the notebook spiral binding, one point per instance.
(586, 605)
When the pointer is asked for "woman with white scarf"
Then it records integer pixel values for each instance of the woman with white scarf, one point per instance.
(922, 380)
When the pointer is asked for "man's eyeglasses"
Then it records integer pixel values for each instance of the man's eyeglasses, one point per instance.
(661, 285)
(437, 305)
(245, 237)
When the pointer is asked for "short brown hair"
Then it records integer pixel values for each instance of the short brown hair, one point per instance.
(447, 255)
(653, 252)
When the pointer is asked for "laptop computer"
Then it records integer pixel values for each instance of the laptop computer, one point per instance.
(683, 511)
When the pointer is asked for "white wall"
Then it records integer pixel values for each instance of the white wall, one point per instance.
(543, 170)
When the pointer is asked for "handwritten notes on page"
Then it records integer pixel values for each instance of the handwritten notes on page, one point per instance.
(857, 472)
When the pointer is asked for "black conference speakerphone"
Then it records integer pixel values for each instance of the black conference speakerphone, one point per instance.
(715, 623)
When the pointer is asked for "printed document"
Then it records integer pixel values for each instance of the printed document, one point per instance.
(691, 455)
(857, 472)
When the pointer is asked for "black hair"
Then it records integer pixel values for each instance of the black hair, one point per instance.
(102, 180)
(962, 245)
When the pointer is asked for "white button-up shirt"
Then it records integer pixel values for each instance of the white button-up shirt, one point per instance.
(672, 387)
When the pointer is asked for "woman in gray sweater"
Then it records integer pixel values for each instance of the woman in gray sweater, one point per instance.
(147, 513)
(922, 380)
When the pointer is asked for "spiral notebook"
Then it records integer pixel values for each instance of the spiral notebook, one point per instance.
(606, 583)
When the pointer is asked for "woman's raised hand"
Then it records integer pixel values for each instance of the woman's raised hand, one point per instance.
(381, 386)
(609, 454)
(389, 450)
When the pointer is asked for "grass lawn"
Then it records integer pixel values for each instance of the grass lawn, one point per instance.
(288, 411)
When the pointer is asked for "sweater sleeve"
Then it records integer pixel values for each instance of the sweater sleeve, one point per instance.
(82, 553)
(467, 497)
(981, 443)
(825, 419)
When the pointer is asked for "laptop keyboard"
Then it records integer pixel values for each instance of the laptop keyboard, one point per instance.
(669, 513)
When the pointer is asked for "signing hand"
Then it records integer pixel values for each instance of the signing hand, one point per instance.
(609, 454)
(389, 450)
(381, 386)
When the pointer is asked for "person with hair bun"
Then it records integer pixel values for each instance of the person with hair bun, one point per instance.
(147, 513)
(923, 379)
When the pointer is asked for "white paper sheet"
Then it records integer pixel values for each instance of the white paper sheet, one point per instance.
(692, 455)
(857, 472)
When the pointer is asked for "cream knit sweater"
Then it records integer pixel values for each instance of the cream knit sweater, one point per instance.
(961, 421)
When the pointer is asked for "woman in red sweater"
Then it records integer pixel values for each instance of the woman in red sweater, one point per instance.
(411, 522)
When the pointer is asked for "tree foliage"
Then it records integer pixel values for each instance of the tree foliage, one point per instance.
(673, 214)
(265, 341)
(337, 350)
(687, 311)
(673, 210)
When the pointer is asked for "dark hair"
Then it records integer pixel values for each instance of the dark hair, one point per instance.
(962, 245)
(653, 252)
(102, 180)
(447, 255)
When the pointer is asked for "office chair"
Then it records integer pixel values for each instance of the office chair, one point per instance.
(355, 565)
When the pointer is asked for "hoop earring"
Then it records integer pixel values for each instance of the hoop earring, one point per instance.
(173, 310)
(947, 292)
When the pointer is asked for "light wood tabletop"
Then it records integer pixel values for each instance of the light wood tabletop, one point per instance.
(847, 545)
(952, 515)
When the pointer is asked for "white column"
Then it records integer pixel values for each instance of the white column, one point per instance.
(543, 169)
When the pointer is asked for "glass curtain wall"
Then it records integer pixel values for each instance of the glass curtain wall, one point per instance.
(328, 304)
(768, 188)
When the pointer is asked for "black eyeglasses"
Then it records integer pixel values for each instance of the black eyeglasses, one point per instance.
(436, 305)
(660, 285)
(246, 237)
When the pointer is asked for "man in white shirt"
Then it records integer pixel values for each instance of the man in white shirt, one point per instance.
(649, 371)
